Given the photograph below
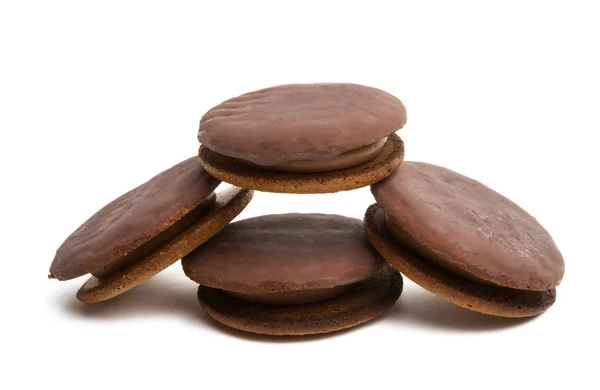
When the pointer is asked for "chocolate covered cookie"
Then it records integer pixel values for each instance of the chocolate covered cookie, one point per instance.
(145, 230)
(304, 138)
(292, 274)
(463, 241)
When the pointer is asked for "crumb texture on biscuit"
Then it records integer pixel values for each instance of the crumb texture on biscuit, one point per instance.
(231, 170)
(363, 302)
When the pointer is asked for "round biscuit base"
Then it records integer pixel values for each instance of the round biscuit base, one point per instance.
(232, 171)
(363, 302)
(228, 205)
(497, 301)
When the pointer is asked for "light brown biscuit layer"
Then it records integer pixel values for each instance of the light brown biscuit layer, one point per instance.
(232, 171)
(363, 302)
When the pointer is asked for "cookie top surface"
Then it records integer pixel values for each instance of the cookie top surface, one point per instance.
(300, 122)
(463, 223)
(133, 219)
(285, 252)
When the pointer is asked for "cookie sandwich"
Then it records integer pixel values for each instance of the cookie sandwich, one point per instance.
(463, 241)
(292, 274)
(145, 230)
(304, 138)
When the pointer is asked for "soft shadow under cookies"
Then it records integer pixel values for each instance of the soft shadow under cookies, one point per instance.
(167, 295)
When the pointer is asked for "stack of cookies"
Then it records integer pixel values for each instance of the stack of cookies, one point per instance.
(299, 274)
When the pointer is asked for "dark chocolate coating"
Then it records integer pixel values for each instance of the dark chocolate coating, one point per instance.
(287, 252)
(457, 222)
(133, 219)
(300, 122)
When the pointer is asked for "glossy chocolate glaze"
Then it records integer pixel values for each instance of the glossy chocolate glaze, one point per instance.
(284, 253)
(464, 226)
(133, 219)
(310, 122)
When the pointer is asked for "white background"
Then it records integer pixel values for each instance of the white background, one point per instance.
(97, 97)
